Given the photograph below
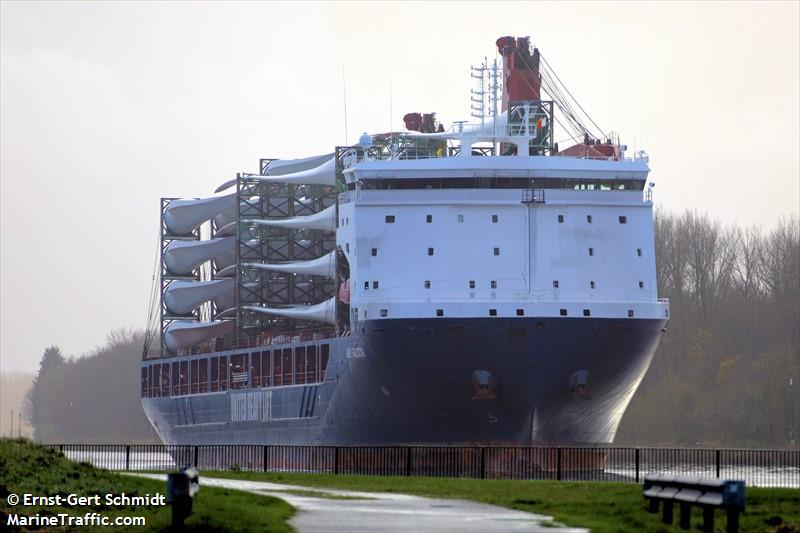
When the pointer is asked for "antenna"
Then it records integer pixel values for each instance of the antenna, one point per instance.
(391, 112)
(344, 96)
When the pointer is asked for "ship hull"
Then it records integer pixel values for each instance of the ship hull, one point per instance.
(564, 381)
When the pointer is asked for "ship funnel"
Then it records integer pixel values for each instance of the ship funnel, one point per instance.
(181, 257)
(182, 334)
(324, 174)
(321, 312)
(183, 216)
(280, 167)
(522, 80)
(325, 220)
(183, 297)
(322, 266)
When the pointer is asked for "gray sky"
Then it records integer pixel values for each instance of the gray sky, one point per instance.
(106, 107)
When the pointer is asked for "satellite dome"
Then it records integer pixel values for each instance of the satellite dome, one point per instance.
(365, 140)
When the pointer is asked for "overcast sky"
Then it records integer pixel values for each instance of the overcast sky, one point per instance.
(106, 107)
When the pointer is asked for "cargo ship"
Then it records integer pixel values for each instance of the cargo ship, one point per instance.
(461, 285)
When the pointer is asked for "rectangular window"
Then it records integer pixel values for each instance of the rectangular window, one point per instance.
(165, 380)
(239, 371)
(366, 285)
(591, 251)
(623, 219)
(589, 219)
(323, 360)
(384, 312)
(311, 364)
(430, 251)
(347, 247)
(427, 284)
(223, 373)
(497, 251)
(440, 312)
(214, 374)
(277, 371)
(374, 252)
(155, 380)
(255, 369)
(176, 379)
(266, 369)
(300, 365)
(494, 219)
(429, 219)
(555, 283)
(472, 284)
(520, 312)
(460, 219)
(630, 313)
(591, 284)
(195, 372)
(143, 390)
(639, 252)
(641, 284)
(390, 219)
(287, 366)
(374, 284)
(184, 377)
(586, 312)
(563, 312)
(560, 219)
(492, 312)
(493, 284)
(203, 375)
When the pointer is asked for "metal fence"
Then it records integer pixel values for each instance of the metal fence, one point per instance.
(766, 468)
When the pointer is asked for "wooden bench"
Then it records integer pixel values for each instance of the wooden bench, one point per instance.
(708, 494)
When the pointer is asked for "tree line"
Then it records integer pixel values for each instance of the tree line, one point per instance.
(726, 372)
(721, 375)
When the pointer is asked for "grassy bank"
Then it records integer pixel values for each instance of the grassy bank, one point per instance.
(27, 468)
(600, 506)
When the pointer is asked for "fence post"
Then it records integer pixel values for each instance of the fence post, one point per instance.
(264, 464)
(636, 455)
(335, 459)
(127, 457)
(558, 463)
(408, 460)
(483, 462)
(195, 456)
(716, 460)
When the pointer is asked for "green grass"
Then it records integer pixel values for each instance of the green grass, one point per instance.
(27, 468)
(600, 506)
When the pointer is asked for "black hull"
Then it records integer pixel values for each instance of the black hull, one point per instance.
(559, 381)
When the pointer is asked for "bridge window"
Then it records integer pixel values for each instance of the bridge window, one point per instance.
(492, 312)
(184, 377)
(300, 365)
(374, 252)
(589, 219)
(639, 252)
(591, 284)
(630, 313)
(430, 251)
(374, 284)
(520, 312)
(384, 312)
(266, 369)
(255, 369)
(311, 364)
(165, 380)
(623, 219)
(239, 371)
(586, 312)
(496, 251)
(143, 391)
(493, 284)
(472, 284)
(440, 312)
(366, 285)
(223, 373)
(278, 369)
(560, 219)
(555, 283)
(427, 284)
(390, 219)
(429, 218)
(494, 219)
(641, 284)
(214, 375)
(176, 375)
(203, 375)
(286, 365)
(563, 312)
(591, 251)
(325, 351)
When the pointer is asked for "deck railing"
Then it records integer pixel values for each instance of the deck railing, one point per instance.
(770, 468)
